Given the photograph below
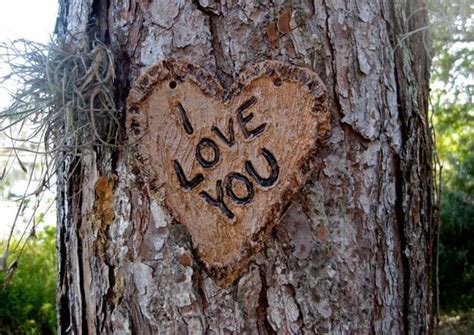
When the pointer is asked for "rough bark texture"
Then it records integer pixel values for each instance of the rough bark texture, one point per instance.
(353, 252)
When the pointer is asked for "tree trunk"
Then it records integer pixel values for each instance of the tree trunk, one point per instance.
(353, 251)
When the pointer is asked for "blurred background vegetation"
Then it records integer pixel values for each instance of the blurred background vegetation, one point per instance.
(452, 108)
(27, 295)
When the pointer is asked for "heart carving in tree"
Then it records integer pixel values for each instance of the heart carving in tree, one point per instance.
(226, 163)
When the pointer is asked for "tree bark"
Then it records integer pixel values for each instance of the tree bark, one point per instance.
(353, 251)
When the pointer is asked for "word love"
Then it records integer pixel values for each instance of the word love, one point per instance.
(211, 156)
(208, 156)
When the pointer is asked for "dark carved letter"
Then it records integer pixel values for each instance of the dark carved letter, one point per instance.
(219, 202)
(183, 181)
(243, 120)
(230, 191)
(184, 119)
(275, 170)
(230, 128)
(207, 143)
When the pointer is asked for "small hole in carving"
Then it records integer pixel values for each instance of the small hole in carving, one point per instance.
(277, 82)
(173, 85)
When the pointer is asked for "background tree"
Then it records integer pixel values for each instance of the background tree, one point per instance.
(353, 252)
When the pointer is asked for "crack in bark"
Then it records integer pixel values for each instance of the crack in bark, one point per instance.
(399, 210)
(218, 51)
(333, 61)
(311, 6)
(77, 199)
(217, 45)
(263, 324)
(400, 217)
(63, 302)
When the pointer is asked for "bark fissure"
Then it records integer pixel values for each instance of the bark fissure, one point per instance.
(63, 311)
(400, 217)
(262, 307)
(214, 17)
(218, 52)
(333, 62)
(81, 284)
(77, 254)
(400, 195)
(98, 14)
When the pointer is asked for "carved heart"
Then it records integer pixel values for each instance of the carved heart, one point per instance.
(226, 164)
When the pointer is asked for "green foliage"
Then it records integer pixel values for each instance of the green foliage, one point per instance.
(455, 144)
(27, 300)
(456, 250)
